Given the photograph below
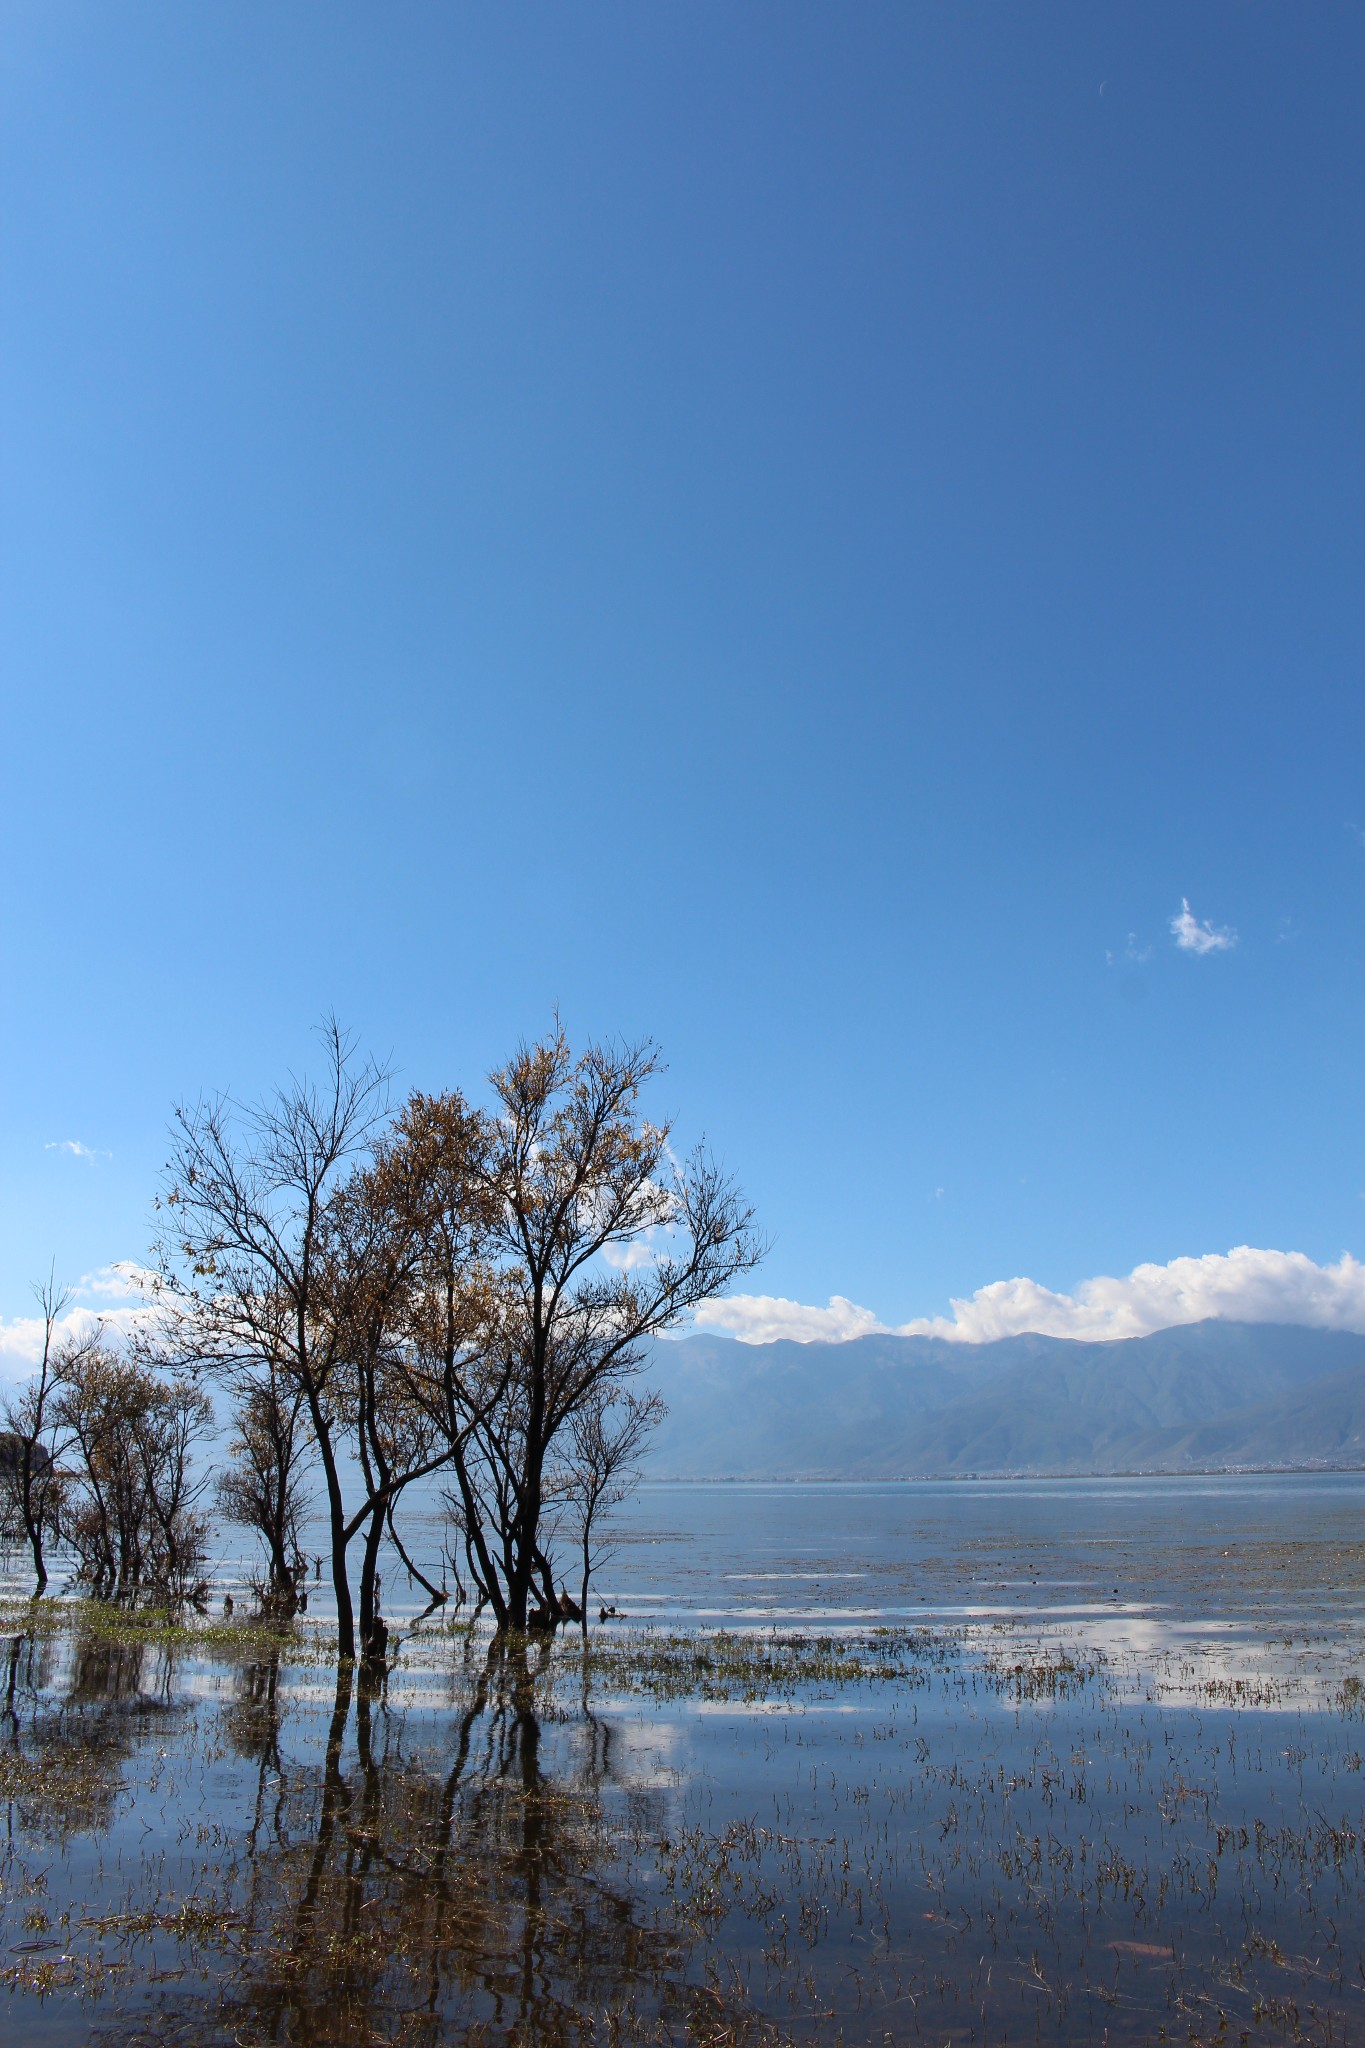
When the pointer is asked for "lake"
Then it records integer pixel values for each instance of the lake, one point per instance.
(975, 1761)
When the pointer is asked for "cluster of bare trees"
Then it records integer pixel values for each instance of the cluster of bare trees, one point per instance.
(434, 1292)
(98, 1452)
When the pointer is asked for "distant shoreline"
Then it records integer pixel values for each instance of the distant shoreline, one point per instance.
(975, 1478)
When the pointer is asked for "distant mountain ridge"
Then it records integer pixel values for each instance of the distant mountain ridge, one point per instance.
(1202, 1396)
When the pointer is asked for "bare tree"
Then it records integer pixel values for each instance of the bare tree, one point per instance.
(28, 1447)
(134, 1523)
(316, 1252)
(601, 1239)
(370, 1246)
(263, 1487)
(249, 1254)
(607, 1438)
(449, 1290)
(441, 1371)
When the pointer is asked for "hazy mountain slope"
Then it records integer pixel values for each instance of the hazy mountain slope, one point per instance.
(1321, 1424)
(1205, 1393)
(774, 1409)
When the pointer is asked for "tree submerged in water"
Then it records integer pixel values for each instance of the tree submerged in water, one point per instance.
(448, 1290)
(601, 1239)
(263, 1488)
(134, 1520)
(31, 1487)
(100, 1453)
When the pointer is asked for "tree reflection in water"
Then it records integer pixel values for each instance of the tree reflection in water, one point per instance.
(63, 1746)
(467, 1894)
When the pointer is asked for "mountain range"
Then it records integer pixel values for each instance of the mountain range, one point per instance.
(1200, 1397)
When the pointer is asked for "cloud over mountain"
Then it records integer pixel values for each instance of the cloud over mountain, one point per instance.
(764, 1318)
(1243, 1285)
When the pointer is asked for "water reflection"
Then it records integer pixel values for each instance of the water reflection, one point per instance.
(971, 1831)
(363, 1873)
(72, 1718)
(395, 1894)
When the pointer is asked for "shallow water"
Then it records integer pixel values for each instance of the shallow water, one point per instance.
(979, 1762)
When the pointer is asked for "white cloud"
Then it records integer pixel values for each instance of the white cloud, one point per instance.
(118, 1296)
(1244, 1285)
(1195, 935)
(76, 1149)
(761, 1318)
(637, 1252)
(124, 1280)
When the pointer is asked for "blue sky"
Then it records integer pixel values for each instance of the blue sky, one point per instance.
(808, 532)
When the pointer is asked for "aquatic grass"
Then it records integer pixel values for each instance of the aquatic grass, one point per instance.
(753, 1667)
(62, 1616)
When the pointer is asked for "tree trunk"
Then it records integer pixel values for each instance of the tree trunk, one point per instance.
(526, 1533)
(336, 1515)
(526, 1527)
(281, 1570)
(341, 1586)
(33, 1520)
(281, 1577)
(368, 1569)
(476, 1548)
(587, 1572)
(547, 1587)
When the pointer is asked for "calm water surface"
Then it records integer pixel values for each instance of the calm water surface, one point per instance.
(1075, 1761)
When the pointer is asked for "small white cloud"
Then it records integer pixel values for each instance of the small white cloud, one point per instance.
(124, 1280)
(763, 1318)
(631, 1256)
(1132, 955)
(76, 1149)
(1246, 1285)
(1195, 935)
